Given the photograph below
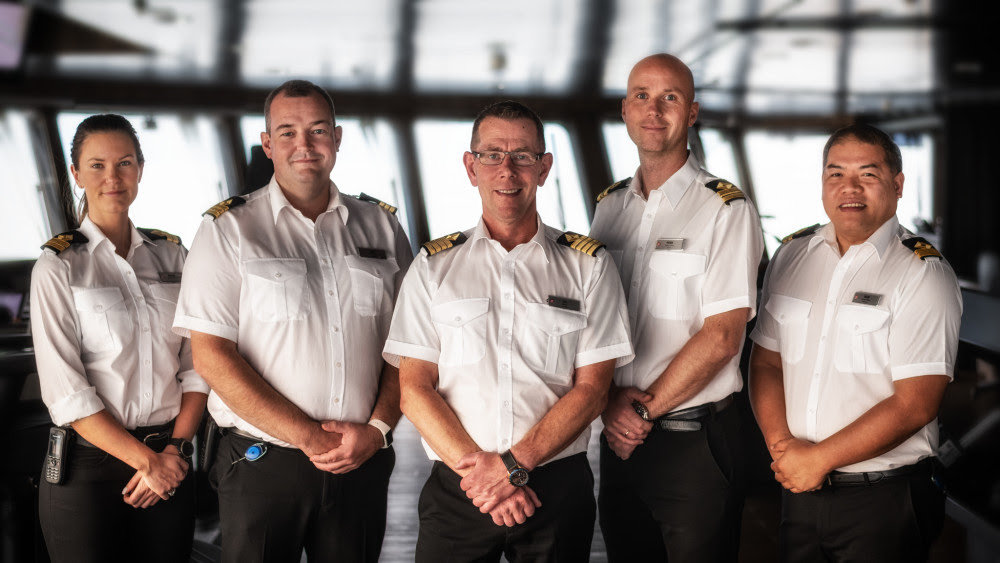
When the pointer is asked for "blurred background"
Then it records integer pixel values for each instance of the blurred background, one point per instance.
(774, 79)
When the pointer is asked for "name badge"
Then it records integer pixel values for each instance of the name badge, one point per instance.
(670, 244)
(170, 277)
(376, 253)
(864, 298)
(563, 303)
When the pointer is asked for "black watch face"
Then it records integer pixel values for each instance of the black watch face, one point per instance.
(187, 448)
(519, 477)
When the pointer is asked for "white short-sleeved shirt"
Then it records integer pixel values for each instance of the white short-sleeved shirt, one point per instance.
(504, 354)
(308, 304)
(848, 327)
(101, 330)
(683, 255)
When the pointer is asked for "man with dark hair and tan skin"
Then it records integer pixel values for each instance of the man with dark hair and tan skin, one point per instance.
(506, 337)
(854, 346)
(287, 295)
(687, 246)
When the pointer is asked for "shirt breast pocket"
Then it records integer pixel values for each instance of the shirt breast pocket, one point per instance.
(278, 289)
(462, 327)
(792, 316)
(549, 343)
(863, 339)
(674, 288)
(371, 279)
(104, 321)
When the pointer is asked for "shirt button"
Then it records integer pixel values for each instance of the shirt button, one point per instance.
(504, 366)
(649, 216)
(329, 292)
(506, 403)
(128, 273)
(145, 329)
(337, 400)
(635, 283)
(147, 394)
(338, 364)
(98, 308)
(507, 296)
(458, 318)
(640, 248)
(277, 274)
(325, 261)
(336, 329)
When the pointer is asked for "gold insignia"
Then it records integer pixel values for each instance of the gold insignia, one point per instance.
(728, 192)
(922, 248)
(584, 244)
(223, 206)
(612, 188)
(444, 243)
(157, 234)
(382, 204)
(63, 241)
(803, 232)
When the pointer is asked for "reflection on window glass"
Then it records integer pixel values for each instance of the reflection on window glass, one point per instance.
(182, 176)
(453, 203)
(368, 160)
(23, 226)
(719, 157)
(787, 177)
(621, 150)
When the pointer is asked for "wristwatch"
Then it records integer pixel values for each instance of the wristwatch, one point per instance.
(185, 447)
(516, 475)
(640, 409)
(384, 429)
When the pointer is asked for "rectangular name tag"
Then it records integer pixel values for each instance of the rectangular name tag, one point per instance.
(376, 253)
(563, 303)
(170, 277)
(670, 244)
(864, 298)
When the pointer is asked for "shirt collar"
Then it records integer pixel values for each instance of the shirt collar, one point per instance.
(95, 236)
(280, 202)
(481, 232)
(676, 185)
(879, 240)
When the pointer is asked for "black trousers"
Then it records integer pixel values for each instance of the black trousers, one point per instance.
(453, 529)
(272, 508)
(892, 520)
(84, 518)
(678, 498)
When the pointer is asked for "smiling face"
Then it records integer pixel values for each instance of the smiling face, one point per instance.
(859, 190)
(302, 143)
(659, 106)
(109, 173)
(508, 191)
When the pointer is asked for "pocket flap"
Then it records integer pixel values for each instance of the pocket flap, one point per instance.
(677, 264)
(860, 319)
(457, 313)
(787, 309)
(166, 291)
(97, 300)
(277, 270)
(554, 321)
(379, 268)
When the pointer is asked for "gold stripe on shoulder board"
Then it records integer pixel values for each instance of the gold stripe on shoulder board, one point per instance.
(223, 206)
(583, 243)
(613, 188)
(727, 191)
(444, 243)
(922, 248)
(62, 241)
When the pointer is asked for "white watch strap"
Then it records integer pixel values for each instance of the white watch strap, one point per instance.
(383, 428)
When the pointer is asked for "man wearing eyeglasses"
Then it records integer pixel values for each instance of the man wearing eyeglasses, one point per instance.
(687, 246)
(506, 337)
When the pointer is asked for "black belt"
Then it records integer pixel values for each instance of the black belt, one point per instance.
(688, 420)
(148, 435)
(872, 477)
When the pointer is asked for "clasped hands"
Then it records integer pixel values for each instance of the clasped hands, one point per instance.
(340, 447)
(623, 428)
(164, 473)
(487, 485)
(797, 464)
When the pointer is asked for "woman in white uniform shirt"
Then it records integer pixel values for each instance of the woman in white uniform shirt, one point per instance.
(102, 304)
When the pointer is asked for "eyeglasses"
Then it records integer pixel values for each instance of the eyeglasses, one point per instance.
(496, 158)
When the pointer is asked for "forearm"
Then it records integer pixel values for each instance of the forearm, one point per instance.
(247, 394)
(387, 404)
(698, 362)
(102, 430)
(767, 395)
(568, 417)
(189, 418)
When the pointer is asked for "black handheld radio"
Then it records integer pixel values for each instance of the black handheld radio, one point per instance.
(55, 456)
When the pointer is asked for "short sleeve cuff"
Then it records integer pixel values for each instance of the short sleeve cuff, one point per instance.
(183, 325)
(623, 353)
(394, 350)
(191, 382)
(764, 341)
(79, 405)
(917, 370)
(718, 307)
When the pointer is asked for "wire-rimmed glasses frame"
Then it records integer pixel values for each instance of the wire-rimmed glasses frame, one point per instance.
(496, 158)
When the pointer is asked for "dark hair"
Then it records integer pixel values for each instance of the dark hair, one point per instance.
(296, 89)
(508, 110)
(103, 123)
(868, 135)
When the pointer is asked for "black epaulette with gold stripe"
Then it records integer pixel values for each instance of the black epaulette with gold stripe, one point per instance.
(63, 241)
(613, 188)
(156, 234)
(380, 203)
(584, 244)
(444, 243)
(223, 206)
(922, 248)
(804, 232)
(727, 191)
